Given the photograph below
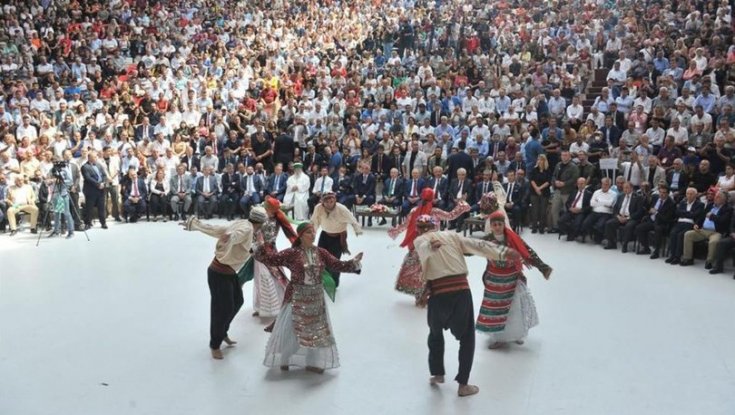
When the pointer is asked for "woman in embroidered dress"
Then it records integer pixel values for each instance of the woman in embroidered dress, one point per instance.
(409, 276)
(269, 283)
(303, 335)
(508, 310)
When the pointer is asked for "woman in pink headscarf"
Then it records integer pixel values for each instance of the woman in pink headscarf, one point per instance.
(409, 276)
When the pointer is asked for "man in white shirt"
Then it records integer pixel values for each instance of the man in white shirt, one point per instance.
(602, 203)
(322, 185)
(575, 112)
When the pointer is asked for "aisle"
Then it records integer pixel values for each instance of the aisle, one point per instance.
(119, 325)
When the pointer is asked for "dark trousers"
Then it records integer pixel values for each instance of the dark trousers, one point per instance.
(594, 224)
(570, 224)
(228, 201)
(539, 210)
(611, 231)
(206, 205)
(724, 246)
(452, 311)
(227, 299)
(134, 211)
(676, 238)
(94, 200)
(333, 245)
(659, 233)
(159, 204)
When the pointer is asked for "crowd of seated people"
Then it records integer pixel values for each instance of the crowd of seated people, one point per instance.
(164, 109)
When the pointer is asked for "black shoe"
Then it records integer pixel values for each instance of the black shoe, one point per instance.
(669, 260)
(117, 219)
(553, 230)
(644, 251)
(34, 230)
(686, 262)
(13, 232)
(54, 233)
(610, 247)
(104, 226)
(674, 261)
(625, 249)
(183, 217)
(370, 222)
(534, 230)
(87, 227)
(70, 235)
(382, 221)
(541, 231)
(715, 270)
(707, 265)
(655, 255)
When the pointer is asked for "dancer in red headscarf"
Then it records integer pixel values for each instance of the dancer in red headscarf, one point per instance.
(508, 310)
(269, 283)
(409, 276)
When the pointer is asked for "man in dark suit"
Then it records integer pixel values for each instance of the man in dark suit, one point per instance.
(206, 190)
(577, 209)
(412, 188)
(342, 185)
(136, 196)
(689, 212)
(94, 190)
(230, 184)
(252, 190)
(283, 149)
(440, 185)
(276, 186)
(363, 185)
(393, 191)
(144, 131)
(483, 186)
(460, 189)
(191, 160)
(627, 212)
(610, 132)
(312, 157)
(513, 200)
(460, 160)
(617, 117)
(659, 217)
(713, 226)
(381, 165)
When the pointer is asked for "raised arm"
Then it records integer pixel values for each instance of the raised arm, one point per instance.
(193, 224)
(268, 255)
(399, 229)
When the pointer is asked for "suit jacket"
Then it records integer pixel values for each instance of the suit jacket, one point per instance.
(283, 149)
(722, 219)
(420, 162)
(310, 159)
(141, 133)
(479, 188)
(364, 189)
(696, 213)
(199, 187)
(174, 184)
(636, 207)
(91, 180)
(613, 138)
(494, 147)
(230, 183)
(193, 161)
(619, 121)
(517, 196)
(659, 176)
(666, 212)
(271, 185)
(142, 190)
(408, 185)
(382, 161)
(257, 183)
(454, 189)
(457, 161)
(586, 198)
(343, 185)
(76, 175)
(398, 188)
(682, 182)
(441, 188)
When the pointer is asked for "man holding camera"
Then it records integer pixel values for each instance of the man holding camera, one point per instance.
(61, 183)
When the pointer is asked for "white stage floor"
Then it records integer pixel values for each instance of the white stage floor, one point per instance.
(119, 325)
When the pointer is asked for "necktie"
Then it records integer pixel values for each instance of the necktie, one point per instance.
(206, 184)
(624, 208)
(278, 176)
(380, 164)
(181, 184)
(484, 188)
(392, 187)
(510, 192)
(413, 188)
(629, 173)
(364, 179)
(250, 184)
(576, 199)
(323, 180)
(459, 193)
(135, 189)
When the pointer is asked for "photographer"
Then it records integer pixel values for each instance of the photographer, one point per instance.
(60, 183)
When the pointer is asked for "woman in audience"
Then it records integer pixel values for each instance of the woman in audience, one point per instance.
(158, 187)
(540, 180)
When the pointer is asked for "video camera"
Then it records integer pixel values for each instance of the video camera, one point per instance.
(57, 169)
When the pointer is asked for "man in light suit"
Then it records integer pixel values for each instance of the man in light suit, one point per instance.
(252, 190)
(276, 186)
(206, 190)
(460, 189)
(136, 196)
(94, 190)
(392, 192)
(180, 185)
(415, 159)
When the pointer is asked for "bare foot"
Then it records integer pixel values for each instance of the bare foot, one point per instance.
(496, 345)
(467, 390)
(229, 341)
(313, 369)
(217, 354)
(256, 313)
(435, 380)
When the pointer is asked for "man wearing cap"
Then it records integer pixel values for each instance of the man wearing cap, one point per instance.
(447, 293)
(297, 193)
(231, 253)
(333, 218)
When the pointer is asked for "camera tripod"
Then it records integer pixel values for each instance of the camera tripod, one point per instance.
(57, 186)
